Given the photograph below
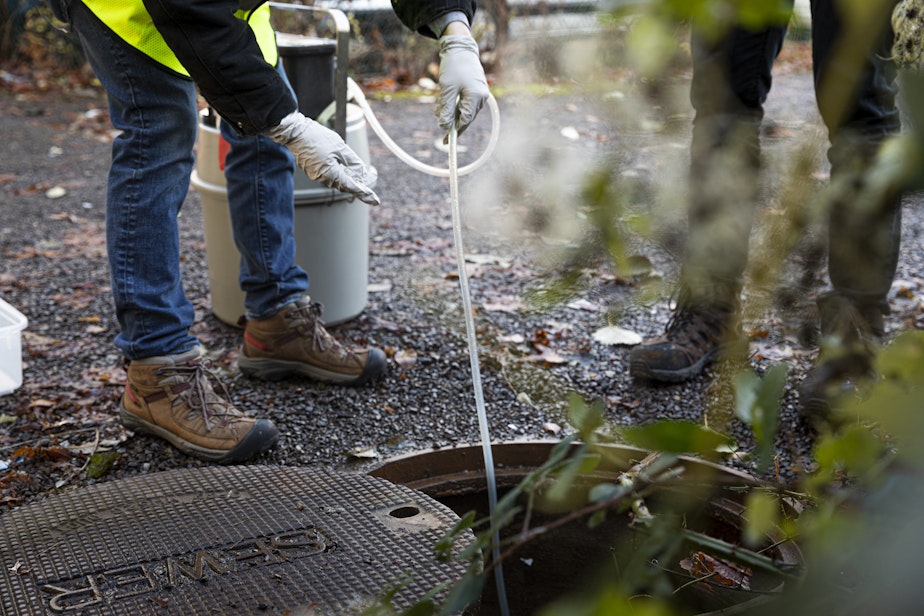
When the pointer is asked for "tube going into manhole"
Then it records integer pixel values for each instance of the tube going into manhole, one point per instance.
(453, 173)
(473, 357)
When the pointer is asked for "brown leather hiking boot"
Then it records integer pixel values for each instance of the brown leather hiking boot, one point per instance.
(294, 341)
(694, 337)
(171, 397)
(850, 335)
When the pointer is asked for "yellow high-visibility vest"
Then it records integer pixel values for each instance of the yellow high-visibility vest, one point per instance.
(132, 23)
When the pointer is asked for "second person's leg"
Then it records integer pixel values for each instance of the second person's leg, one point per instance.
(731, 81)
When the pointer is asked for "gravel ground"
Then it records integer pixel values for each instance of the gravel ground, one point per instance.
(520, 215)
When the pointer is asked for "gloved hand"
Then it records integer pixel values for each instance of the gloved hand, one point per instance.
(461, 75)
(324, 156)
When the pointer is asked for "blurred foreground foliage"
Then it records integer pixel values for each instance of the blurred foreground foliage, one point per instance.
(30, 42)
(857, 516)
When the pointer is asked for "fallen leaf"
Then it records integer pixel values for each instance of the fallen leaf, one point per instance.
(31, 189)
(512, 338)
(583, 304)
(541, 336)
(618, 401)
(613, 335)
(101, 462)
(487, 260)
(406, 358)
(513, 305)
(471, 271)
(364, 452)
(380, 323)
(112, 374)
(37, 342)
(379, 287)
(55, 452)
(55, 192)
(553, 428)
(558, 329)
(546, 355)
(570, 133)
(64, 216)
(703, 566)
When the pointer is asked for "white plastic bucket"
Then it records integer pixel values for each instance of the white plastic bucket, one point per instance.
(331, 232)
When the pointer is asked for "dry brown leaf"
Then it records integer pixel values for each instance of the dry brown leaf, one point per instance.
(406, 358)
(546, 355)
(613, 335)
(510, 304)
(717, 571)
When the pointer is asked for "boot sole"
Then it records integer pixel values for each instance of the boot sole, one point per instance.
(645, 372)
(267, 369)
(639, 369)
(262, 437)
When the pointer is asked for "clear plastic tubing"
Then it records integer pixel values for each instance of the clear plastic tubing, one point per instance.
(356, 94)
(453, 172)
(473, 357)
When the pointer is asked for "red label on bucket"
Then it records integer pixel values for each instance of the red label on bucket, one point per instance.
(223, 147)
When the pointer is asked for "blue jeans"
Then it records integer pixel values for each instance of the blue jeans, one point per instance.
(152, 159)
(731, 80)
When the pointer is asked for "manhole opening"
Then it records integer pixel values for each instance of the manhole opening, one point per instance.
(568, 558)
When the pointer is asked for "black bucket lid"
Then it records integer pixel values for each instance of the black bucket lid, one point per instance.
(298, 45)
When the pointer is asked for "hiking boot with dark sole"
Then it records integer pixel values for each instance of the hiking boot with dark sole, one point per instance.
(851, 332)
(295, 342)
(694, 338)
(171, 397)
(830, 382)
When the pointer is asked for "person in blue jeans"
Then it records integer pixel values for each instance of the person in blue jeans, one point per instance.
(856, 96)
(152, 56)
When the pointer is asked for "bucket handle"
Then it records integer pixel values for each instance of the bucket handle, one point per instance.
(342, 26)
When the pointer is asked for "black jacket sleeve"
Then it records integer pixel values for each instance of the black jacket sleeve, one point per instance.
(416, 14)
(223, 57)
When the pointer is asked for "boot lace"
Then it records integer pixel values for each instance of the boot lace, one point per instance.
(198, 376)
(321, 340)
(688, 319)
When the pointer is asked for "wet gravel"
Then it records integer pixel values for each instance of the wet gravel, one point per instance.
(520, 215)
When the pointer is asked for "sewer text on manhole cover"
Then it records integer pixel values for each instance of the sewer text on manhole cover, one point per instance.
(223, 540)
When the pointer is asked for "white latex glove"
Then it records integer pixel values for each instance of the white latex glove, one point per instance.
(463, 87)
(324, 156)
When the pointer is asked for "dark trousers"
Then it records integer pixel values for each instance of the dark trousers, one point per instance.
(855, 91)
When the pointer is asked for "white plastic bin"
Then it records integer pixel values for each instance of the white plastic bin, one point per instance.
(12, 322)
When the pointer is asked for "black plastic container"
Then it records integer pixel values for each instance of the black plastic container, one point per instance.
(310, 64)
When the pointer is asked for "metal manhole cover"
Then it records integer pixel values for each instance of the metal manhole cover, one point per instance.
(223, 540)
